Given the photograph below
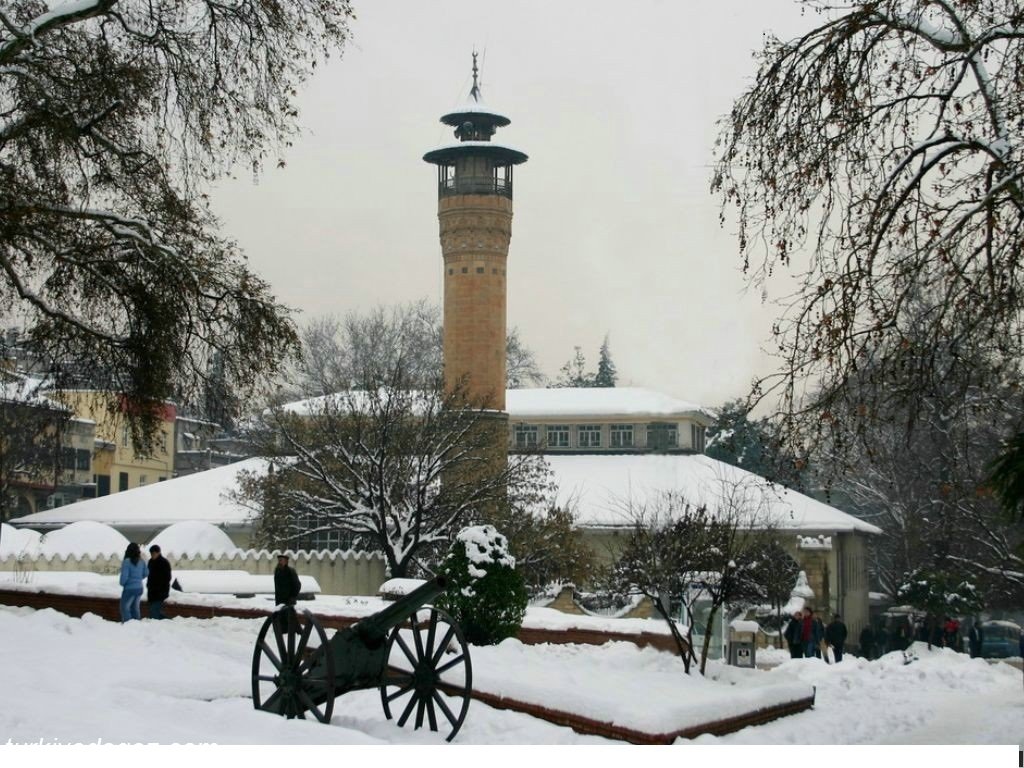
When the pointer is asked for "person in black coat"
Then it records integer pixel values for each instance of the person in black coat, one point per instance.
(286, 582)
(974, 638)
(158, 585)
(867, 642)
(835, 636)
(793, 633)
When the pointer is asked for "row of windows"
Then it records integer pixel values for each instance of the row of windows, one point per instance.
(126, 439)
(660, 436)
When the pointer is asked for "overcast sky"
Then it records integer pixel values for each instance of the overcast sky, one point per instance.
(614, 228)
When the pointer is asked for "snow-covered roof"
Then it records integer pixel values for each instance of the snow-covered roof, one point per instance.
(199, 496)
(601, 486)
(596, 402)
(598, 485)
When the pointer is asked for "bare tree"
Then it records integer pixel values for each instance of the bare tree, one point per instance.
(388, 467)
(114, 116)
(878, 157)
(338, 353)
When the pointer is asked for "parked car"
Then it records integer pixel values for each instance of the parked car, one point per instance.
(1000, 639)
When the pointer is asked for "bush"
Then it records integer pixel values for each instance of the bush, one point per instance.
(486, 595)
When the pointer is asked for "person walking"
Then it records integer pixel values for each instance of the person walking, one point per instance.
(867, 642)
(158, 585)
(817, 635)
(794, 636)
(974, 638)
(133, 571)
(835, 636)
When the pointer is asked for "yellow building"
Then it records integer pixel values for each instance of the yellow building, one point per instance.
(116, 464)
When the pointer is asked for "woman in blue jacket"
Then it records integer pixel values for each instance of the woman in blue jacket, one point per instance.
(133, 571)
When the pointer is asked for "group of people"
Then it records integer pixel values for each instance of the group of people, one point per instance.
(899, 633)
(157, 575)
(807, 636)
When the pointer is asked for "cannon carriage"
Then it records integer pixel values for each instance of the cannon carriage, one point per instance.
(414, 653)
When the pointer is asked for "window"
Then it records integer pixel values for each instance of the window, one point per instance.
(526, 436)
(589, 435)
(125, 437)
(143, 480)
(83, 459)
(662, 436)
(122, 481)
(558, 436)
(697, 438)
(622, 435)
(163, 442)
(67, 458)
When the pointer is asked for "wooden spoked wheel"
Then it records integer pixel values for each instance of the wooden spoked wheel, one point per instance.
(428, 673)
(292, 667)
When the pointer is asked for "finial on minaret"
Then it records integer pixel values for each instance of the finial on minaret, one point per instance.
(475, 93)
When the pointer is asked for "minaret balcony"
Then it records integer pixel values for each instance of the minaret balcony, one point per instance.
(474, 185)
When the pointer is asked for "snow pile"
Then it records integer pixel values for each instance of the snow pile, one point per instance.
(941, 697)
(620, 683)
(236, 583)
(16, 542)
(83, 539)
(395, 588)
(192, 537)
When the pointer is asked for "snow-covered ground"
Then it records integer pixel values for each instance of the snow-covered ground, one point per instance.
(187, 680)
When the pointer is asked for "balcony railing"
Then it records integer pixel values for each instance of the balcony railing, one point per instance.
(474, 185)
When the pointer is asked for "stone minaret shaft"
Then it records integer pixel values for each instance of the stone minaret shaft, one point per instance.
(475, 233)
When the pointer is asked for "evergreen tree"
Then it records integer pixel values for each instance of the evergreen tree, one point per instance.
(574, 372)
(606, 373)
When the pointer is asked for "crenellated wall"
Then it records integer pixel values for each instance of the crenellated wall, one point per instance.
(338, 572)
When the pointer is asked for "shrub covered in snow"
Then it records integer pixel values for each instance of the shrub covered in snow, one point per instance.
(487, 596)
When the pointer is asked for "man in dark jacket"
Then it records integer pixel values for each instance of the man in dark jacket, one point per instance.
(158, 585)
(835, 636)
(974, 638)
(793, 633)
(286, 582)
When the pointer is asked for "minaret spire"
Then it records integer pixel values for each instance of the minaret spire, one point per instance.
(475, 92)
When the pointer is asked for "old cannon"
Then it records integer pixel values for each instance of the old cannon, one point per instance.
(413, 652)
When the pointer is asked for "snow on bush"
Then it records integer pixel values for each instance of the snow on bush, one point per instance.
(486, 595)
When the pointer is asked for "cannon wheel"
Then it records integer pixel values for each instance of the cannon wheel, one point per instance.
(292, 667)
(426, 659)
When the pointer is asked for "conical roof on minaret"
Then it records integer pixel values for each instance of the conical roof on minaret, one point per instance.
(474, 125)
(474, 108)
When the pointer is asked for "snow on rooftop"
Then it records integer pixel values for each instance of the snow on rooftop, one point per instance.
(600, 486)
(83, 539)
(200, 496)
(595, 401)
(193, 537)
(15, 542)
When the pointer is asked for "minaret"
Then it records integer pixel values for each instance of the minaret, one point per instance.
(474, 208)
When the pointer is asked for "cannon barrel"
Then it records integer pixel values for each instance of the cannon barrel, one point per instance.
(374, 629)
